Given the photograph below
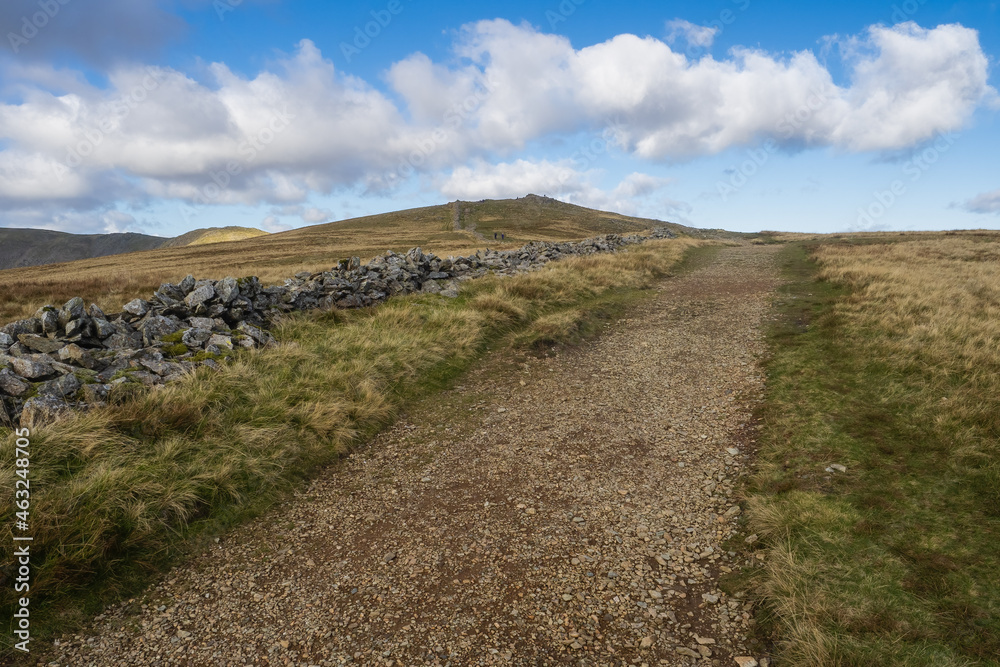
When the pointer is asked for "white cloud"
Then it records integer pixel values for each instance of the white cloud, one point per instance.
(695, 35)
(909, 84)
(512, 179)
(314, 215)
(504, 180)
(116, 222)
(987, 202)
(274, 224)
(302, 127)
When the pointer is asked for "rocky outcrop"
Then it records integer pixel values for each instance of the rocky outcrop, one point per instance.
(72, 357)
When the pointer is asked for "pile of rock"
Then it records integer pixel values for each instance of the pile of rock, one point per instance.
(71, 357)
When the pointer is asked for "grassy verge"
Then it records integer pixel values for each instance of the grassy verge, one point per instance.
(120, 492)
(885, 361)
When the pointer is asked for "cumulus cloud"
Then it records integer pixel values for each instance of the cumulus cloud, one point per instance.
(302, 127)
(695, 35)
(116, 222)
(273, 224)
(314, 215)
(484, 180)
(987, 202)
(907, 84)
(274, 138)
(309, 214)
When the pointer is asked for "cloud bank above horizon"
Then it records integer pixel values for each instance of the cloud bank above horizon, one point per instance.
(71, 149)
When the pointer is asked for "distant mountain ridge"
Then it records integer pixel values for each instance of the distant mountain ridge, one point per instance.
(34, 247)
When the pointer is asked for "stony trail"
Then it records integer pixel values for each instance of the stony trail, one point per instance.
(564, 510)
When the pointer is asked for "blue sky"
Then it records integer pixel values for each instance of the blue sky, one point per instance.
(161, 116)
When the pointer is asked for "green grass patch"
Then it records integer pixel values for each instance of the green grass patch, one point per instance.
(121, 492)
(894, 562)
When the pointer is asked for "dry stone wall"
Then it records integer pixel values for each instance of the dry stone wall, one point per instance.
(68, 358)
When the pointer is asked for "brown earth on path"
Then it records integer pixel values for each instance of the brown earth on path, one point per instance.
(563, 510)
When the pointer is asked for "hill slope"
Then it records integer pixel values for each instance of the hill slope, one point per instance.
(32, 247)
(213, 235)
(111, 281)
(35, 247)
(539, 217)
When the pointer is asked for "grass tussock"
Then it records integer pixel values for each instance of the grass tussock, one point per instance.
(118, 492)
(885, 361)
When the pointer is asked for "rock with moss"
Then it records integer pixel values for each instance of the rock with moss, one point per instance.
(43, 410)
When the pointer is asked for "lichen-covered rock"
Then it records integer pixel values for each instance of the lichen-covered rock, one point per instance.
(74, 354)
(199, 295)
(202, 323)
(14, 329)
(71, 310)
(160, 367)
(62, 387)
(155, 327)
(260, 336)
(145, 377)
(170, 292)
(227, 290)
(49, 317)
(220, 341)
(41, 344)
(43, 410)
(196, 337)
(78, 327)
(121, 341)
(102, 328)
(11, 384)
(32, 370)
(136, 307)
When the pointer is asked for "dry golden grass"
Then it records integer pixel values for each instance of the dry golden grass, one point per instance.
(215, 235)
(897, 377)
(937, 300)
(112, 281)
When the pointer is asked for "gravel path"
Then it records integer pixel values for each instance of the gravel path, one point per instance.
(568, 510)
